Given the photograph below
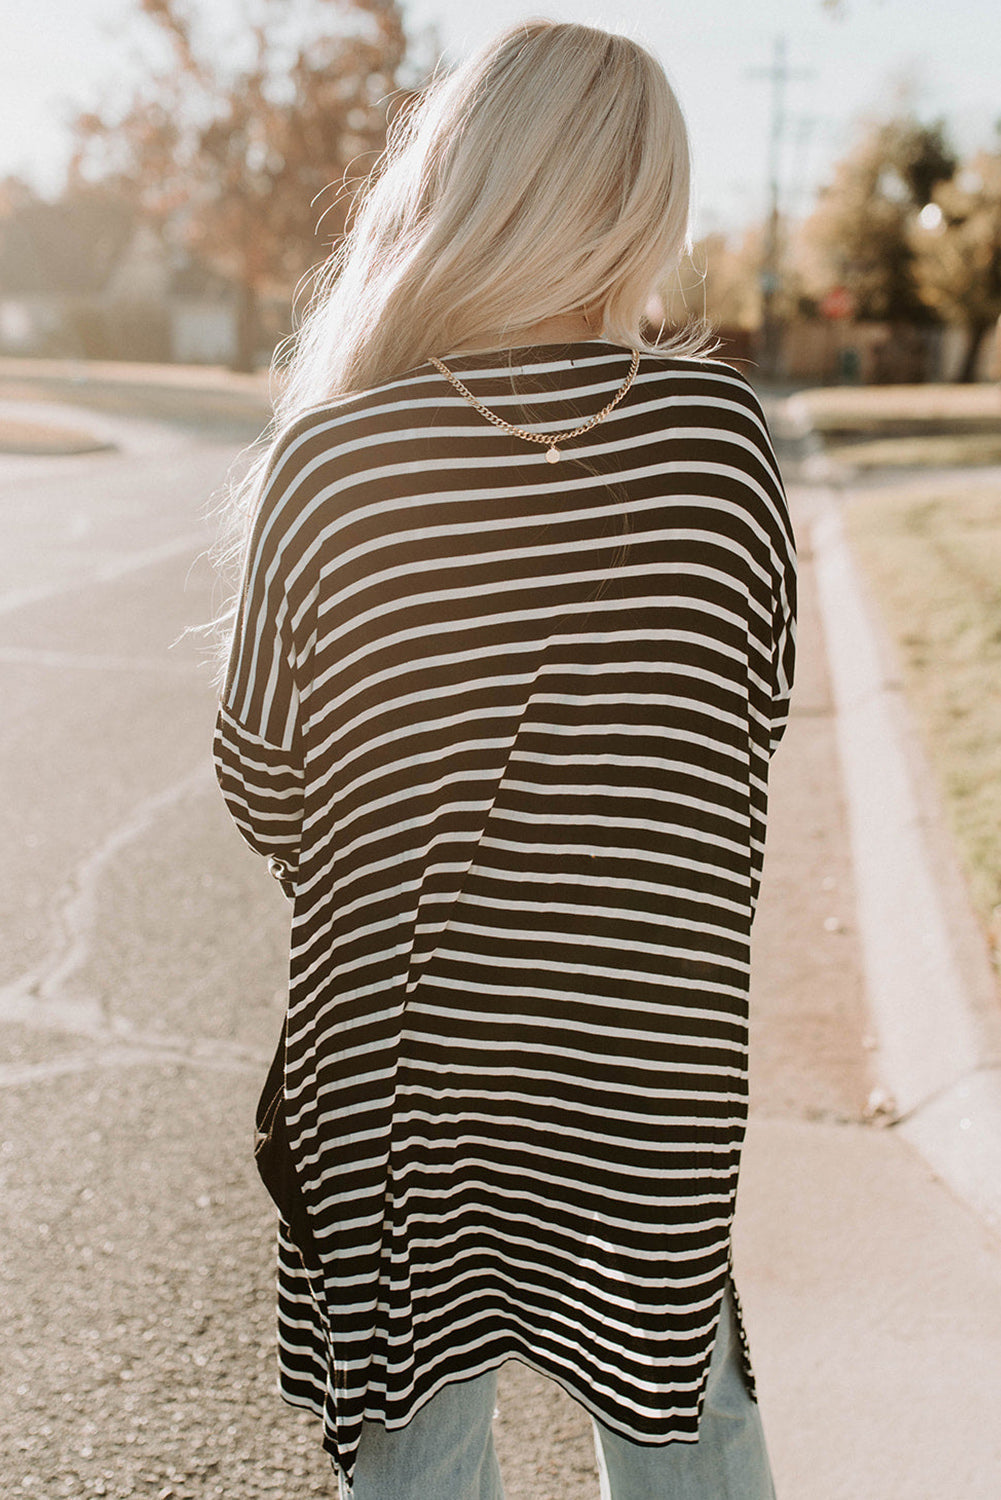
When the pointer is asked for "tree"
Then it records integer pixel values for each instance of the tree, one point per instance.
(859, 236)
(723, 282)
(957, 243)
(228, 150)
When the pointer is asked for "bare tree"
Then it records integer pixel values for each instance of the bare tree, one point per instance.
(230, 151)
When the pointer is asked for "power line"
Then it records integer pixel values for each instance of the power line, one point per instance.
(779, 74)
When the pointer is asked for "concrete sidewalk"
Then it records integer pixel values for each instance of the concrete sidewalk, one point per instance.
(873, 1301)
(872, 1288)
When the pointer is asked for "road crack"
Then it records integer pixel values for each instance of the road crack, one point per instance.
(39, 998)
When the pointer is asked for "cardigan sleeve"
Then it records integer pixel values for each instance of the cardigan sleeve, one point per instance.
(784, 608)
(782, 564)
(262, 787)
(258, 744)
(783, 650)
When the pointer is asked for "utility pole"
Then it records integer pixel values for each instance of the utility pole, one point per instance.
(779, 75)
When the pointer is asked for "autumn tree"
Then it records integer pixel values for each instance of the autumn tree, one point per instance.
(239, 152)
(720, 282)
(957, 244)
(727, 285)
(860, 234)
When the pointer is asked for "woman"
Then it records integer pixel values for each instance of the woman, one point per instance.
(512, 650)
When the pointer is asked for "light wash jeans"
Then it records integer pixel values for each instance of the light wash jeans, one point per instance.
(447, 1451)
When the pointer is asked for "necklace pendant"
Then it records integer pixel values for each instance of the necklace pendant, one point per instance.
(552, 455)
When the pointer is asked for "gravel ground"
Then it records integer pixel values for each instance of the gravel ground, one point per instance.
(140, 1326)
(137, 1278)
(140, 1342)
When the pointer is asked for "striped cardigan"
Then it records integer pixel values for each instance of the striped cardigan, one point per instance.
(504, 728)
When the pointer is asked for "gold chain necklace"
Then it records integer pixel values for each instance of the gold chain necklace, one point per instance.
(549, 440)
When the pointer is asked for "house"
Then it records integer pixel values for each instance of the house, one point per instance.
(54, 261)
(85, 278)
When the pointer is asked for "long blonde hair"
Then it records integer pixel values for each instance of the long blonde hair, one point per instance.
(547, 175)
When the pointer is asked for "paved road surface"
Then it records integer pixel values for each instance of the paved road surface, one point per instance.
(140, 996)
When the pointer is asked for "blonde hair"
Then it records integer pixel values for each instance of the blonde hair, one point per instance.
(547, 175)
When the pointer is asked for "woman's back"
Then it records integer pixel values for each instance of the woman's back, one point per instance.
(510, 723)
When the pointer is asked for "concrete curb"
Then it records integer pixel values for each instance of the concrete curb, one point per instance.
(23, 437)
(103, 432)
(930, 987)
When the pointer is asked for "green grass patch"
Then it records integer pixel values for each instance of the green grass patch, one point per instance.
(932, 553)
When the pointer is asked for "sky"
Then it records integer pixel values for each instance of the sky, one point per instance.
(57, 55)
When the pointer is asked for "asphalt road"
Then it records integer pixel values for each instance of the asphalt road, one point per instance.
(140, 997)
(142, 990)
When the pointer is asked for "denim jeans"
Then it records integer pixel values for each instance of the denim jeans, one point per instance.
(446, 1452)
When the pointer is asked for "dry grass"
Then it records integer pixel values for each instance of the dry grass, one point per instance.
(923, 451)
(907, 426)
(932, 551)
